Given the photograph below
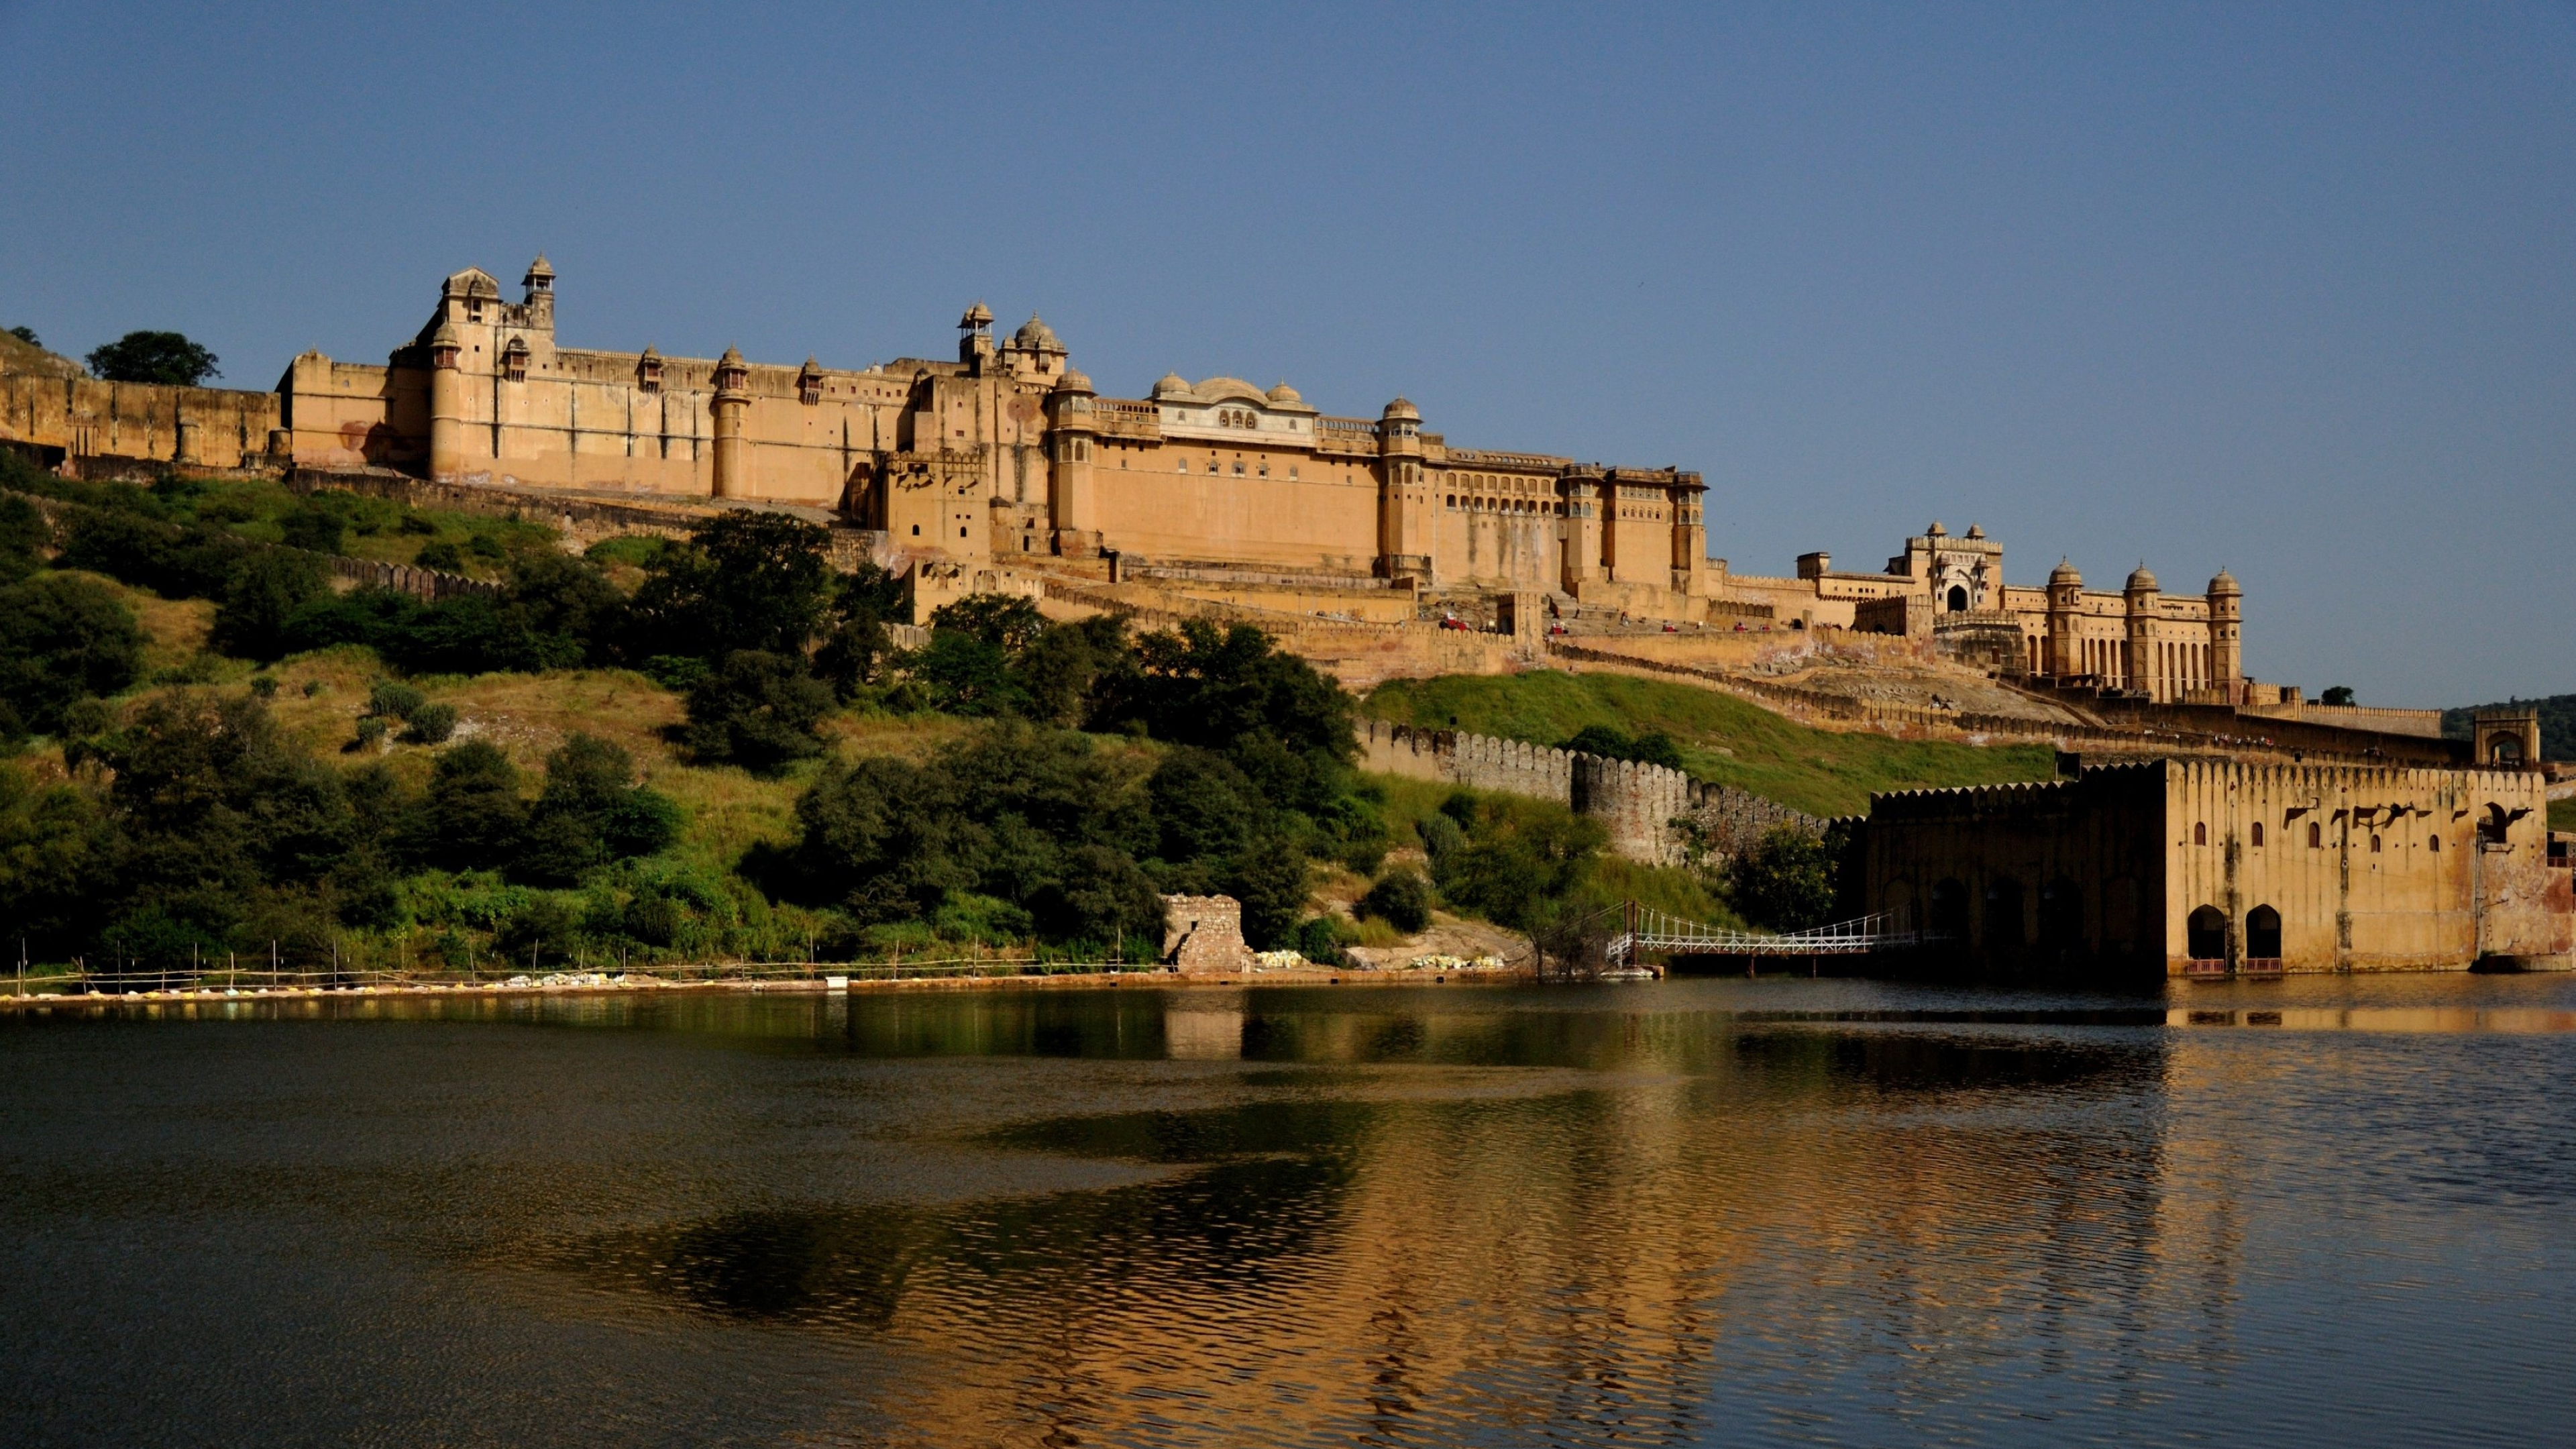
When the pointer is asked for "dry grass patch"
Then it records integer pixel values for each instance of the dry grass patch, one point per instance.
(175, 630)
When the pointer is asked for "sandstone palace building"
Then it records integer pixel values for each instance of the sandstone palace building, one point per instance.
(1006, 452)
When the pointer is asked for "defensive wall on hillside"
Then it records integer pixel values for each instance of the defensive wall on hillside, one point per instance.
(1647, 809)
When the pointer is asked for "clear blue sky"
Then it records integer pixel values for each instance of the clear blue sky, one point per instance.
(2289, 289)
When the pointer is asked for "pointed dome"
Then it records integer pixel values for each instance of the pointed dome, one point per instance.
(978, 315)
(538, 268)
(1073, 380)
(2142, 581)
(1036, 336)
(1936, 530)
(1172, 384)
(445, 336)
(2064, 573)
(1976, 530)
(732, 358)
(1402, 409)
(649, 354)
(1283, 393)
(2225, 583)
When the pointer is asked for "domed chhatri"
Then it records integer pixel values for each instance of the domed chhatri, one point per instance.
(2225, 583)
(1036, 336)
(1283, 393)
(1171, 384)
(1074, 380)
(1403, 411)
(2141, 581)
(976, 319)
(2065, 573)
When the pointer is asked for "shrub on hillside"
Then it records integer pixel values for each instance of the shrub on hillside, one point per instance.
(757, 710)
(62, 640)
(1401, 898)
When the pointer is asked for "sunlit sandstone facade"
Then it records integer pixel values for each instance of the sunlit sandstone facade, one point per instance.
(2168, 647)
(1004, 451)
(2185, 866)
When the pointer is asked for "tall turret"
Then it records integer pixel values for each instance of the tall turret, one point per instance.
(2226, 647)
(975, 338)
(2139, 596)
(1583, 488)
(1073, 437)
(540, 282)
(446, 404)
(2065, 601)
(1403, 515)
(1690, 536)
(731, 402)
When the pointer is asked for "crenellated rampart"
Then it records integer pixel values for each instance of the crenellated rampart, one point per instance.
(1650, 811)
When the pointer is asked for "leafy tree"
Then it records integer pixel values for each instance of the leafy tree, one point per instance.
(1270, 880)
(1518, 862)
(22, 534)
(757, 710)
(1401, 898)
(317, 529)
(1040, 821)
(264, 592)
(472, 817)
(63, 639)
(1786, 881)
(1654, 747)
(1203, 806)
(54, 848)
(162, 357)
(746, 580)
(27, 335)
(2336, 694)
(966, 675)
(591, 812)
(856, 644)
(441, 554)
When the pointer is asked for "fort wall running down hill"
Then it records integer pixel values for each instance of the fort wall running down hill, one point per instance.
(1645, 808)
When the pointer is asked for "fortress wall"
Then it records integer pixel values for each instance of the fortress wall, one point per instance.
(1151, 508)
(1636, 803)
(1729, 821)
(220, 427)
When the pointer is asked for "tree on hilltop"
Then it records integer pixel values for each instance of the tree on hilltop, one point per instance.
(158, 357)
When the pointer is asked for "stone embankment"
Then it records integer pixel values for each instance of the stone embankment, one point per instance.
(1653, 814)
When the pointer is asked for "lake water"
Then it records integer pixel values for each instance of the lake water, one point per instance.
(2330, 1211)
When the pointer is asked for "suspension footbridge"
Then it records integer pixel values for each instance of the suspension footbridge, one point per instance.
(1644, 929)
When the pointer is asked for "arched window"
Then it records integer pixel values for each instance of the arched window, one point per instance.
(2003, 914)
(1958, 599)
(2374, 842)
(2316, 835)
(2506, 751)
(2263, 934)
(1950, 910)
(2061, 915)
(2200, 832)
(2206, 934)
(2433, 843)
(2258, 834)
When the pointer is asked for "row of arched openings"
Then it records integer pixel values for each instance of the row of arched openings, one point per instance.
(2206, 934)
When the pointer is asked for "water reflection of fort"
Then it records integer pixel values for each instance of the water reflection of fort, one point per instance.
(1640, 1218)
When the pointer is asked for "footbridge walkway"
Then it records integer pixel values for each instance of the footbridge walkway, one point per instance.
(1645, 929)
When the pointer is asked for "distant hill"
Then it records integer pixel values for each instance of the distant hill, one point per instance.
(2557, 723)
(17, 356)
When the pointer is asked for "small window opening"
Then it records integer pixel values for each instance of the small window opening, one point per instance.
(2258, 834)
(2316, 835)
(2200, 833)
(2374, 844)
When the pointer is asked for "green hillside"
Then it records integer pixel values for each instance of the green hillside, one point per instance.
(1722, 738)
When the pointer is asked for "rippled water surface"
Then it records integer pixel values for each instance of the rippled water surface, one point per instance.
(2314, 1212)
